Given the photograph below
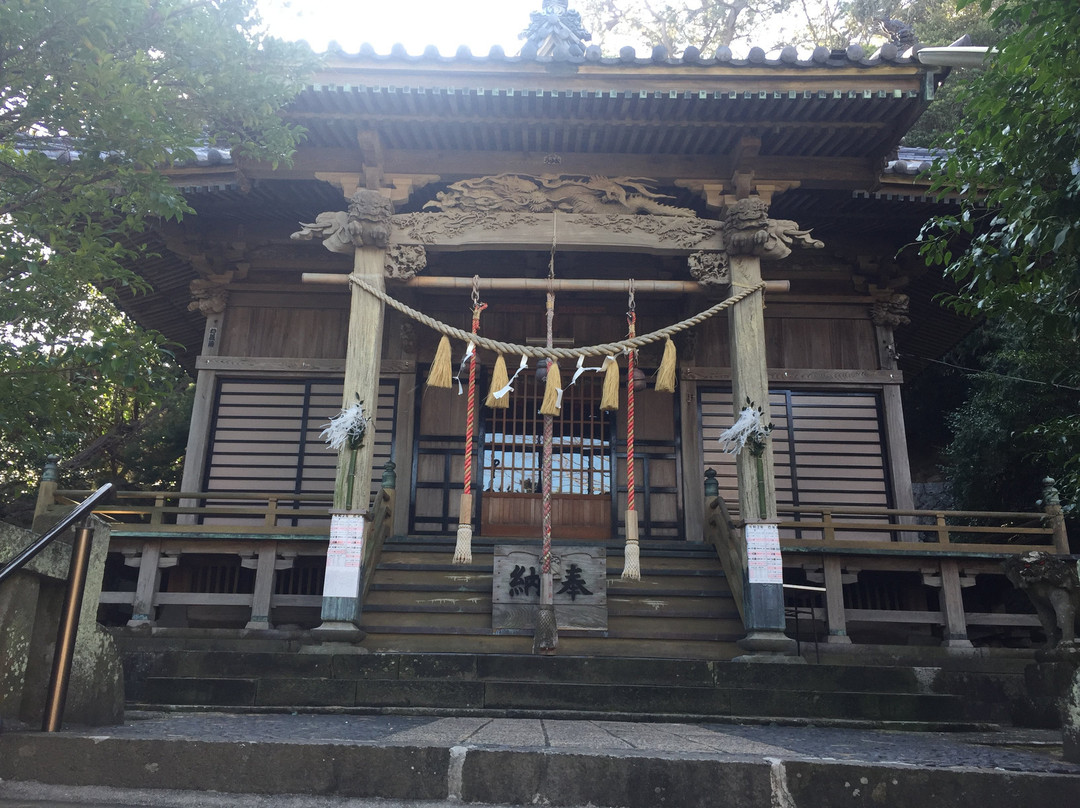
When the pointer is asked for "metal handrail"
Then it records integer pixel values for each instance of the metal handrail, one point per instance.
(73, 597)
(82, 509)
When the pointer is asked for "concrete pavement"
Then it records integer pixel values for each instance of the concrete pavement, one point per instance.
(286, 760)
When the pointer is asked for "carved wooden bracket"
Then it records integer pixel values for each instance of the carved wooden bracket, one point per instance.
(709, 268)
(722, 194)
(398, 188)
(890, 308)
(403, 261)
(748, 230)
(209, 296)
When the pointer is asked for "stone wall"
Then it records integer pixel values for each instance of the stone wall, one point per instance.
(30, 605)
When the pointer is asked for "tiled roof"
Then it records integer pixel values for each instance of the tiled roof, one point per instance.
(910, 161)
(63, 150)
(789, 56)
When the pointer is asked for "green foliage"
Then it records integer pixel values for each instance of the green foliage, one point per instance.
(705, 24)
(97, 99)
(1017, 424)
(940, 22)
(1013, 247)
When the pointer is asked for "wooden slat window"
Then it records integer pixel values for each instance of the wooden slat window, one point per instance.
(829, 447)
(265, 435)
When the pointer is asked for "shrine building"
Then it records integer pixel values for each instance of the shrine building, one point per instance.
(669, 249)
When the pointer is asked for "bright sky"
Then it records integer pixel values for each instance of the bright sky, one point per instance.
(414, 23)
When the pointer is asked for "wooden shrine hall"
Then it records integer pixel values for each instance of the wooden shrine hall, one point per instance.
(733, 224)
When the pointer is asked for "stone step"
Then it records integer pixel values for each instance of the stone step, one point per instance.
(255, 758)
(525, 668)
(646, 702)
(496, 685)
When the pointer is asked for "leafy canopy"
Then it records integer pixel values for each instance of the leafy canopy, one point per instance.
(705, 24)
(97, 97)
(1013, 246)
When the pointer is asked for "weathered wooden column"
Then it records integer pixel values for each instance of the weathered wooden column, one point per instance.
(763, 603)
(367, 230)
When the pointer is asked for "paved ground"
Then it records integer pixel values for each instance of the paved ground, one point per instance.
(1009, 751)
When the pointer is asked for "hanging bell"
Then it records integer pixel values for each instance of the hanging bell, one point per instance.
(541, 370)
(639, 379)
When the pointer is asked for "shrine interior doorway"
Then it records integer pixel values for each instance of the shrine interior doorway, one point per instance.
(582, 464)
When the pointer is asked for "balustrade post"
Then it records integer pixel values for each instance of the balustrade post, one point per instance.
(1052, 505)
(942, 528)
(46, 494)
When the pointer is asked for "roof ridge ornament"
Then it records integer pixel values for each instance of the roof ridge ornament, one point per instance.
(555, 34)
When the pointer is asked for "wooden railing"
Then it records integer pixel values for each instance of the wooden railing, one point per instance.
(268, 532)
(215, 511)
(942, 550)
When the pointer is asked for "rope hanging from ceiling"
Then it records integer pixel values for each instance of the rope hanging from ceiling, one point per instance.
(543, 352)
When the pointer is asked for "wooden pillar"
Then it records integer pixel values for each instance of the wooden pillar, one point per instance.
(692, 460)
(835, 613)
(895, 433)
(750, 380)
(763, 604)
(142, 604)
(952, 606)
(202, 413)
(341, 612)
(265, 569)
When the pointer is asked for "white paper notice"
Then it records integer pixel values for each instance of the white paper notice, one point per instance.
(344, 556)
(763, 561)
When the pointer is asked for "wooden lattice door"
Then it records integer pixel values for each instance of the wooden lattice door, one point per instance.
(582, 463)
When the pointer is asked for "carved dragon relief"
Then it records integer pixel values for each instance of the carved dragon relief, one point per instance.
(548, 193)
(750, 231)
(508, 201)
(365, 224)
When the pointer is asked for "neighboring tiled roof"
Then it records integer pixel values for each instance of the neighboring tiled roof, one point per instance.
(912, 161)
(62, 150)
(853, 55)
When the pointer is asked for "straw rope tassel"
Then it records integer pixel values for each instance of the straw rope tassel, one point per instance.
(463, 550)
(609, 398)
(631, 556)
(499, 379)
(441, 373)
(665, 376)
(551, 404)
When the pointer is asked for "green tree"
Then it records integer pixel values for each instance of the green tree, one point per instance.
(705, 24)
(97, 99)
(1013, 246)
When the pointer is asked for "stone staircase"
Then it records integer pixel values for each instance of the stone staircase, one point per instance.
(681, 608)
(318, 679)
